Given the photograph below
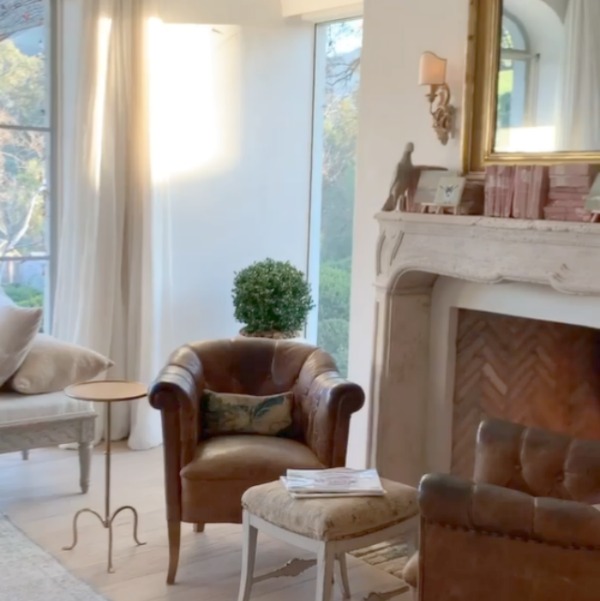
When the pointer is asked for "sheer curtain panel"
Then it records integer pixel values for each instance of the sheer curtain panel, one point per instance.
(579, 105)
(111, 268)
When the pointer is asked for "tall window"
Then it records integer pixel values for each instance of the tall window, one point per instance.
(515, 90)
(337, 79)
(25, 144)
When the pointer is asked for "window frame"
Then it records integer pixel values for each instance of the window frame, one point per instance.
(530, 60)
(314, 250)
(52, 21)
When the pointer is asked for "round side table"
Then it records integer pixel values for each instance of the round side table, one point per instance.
(109, 392)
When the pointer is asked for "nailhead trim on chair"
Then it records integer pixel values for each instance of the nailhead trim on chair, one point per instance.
(517, 538)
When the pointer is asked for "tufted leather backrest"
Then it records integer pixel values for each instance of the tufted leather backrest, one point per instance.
(256, 366)
(537, 462)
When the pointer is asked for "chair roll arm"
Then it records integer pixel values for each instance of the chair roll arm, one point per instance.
(174, 390)
(328, 401)
(496, 511)
(179, 383)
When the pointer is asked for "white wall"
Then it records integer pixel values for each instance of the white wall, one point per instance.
(393, 111)
(246, 196)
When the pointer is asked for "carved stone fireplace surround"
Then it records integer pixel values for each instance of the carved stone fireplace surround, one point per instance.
(409, 426)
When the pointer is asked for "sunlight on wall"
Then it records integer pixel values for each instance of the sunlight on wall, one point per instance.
(183, 104)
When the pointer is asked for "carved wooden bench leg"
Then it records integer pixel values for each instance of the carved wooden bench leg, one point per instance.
(199, 527)
(85, 459)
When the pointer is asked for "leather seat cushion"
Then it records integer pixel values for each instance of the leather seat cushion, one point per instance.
(248, 457)
(226, 466)
(332, 519)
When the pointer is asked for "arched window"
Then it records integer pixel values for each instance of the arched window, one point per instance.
(515, 94)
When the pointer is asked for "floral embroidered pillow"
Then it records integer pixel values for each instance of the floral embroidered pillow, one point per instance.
(229, 413)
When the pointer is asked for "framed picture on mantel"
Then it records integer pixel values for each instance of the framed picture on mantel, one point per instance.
(449, 191)
(427, 186)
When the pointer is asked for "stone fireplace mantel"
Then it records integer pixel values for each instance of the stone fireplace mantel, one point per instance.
(413, 250)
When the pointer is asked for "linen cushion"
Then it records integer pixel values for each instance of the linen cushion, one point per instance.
(333, 518)
(228, 413)
(52, 365)
(18, 327)
(16, 408)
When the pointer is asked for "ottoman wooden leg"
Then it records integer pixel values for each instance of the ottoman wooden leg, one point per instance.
(325, 561)
(341, 557)
(248, 557)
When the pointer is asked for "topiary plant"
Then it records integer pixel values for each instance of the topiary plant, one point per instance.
(272, 298)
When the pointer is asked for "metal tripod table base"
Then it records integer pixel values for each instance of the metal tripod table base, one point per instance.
(106, 523)
(107, 391)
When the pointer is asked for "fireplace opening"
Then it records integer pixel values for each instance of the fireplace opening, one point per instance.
(530, 371)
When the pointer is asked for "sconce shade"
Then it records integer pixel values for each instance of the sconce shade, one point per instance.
(432, 70)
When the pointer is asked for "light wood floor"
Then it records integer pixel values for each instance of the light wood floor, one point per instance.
(41, 495)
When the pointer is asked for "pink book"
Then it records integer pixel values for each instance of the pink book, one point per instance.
(506, 176)
(560, 195)
(555, 213)
(490, 190)
(572, 182)
(538, 192)
(523, 183)
(574, 169)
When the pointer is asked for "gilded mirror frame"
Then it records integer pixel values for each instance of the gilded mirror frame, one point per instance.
(481, 86)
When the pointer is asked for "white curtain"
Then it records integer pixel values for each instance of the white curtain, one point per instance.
(112, 266)
(579, 104)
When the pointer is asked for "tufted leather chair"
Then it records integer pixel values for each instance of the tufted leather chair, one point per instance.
(523, 530)
(205, 478)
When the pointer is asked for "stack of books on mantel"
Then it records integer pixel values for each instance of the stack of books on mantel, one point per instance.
(334, 482)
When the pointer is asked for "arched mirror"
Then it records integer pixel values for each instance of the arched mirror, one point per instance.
(533, 82)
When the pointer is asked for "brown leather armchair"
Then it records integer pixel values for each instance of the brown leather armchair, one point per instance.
(206, 477)
(523, 530)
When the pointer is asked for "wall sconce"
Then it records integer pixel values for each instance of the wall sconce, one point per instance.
(432, 72)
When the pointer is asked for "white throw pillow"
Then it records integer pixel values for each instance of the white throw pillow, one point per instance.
(52, 365)
(18, 327)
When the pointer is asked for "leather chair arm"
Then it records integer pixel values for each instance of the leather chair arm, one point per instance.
(327, 401)
(538, 462)
(176, 392)
(173, 390)
(178, 384)
(495, 511)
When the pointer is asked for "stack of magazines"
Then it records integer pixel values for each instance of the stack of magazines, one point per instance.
(335, 482)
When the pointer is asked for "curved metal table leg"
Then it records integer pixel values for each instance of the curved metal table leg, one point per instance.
(108, 519)
(75, 518)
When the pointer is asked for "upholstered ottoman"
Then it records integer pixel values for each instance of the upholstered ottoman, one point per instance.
(330, 527)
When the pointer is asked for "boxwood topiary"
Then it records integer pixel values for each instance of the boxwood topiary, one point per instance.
(272, 298)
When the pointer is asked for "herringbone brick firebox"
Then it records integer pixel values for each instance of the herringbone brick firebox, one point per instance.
(537, 373)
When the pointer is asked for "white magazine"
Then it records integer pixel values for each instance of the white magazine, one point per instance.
(335, 481)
